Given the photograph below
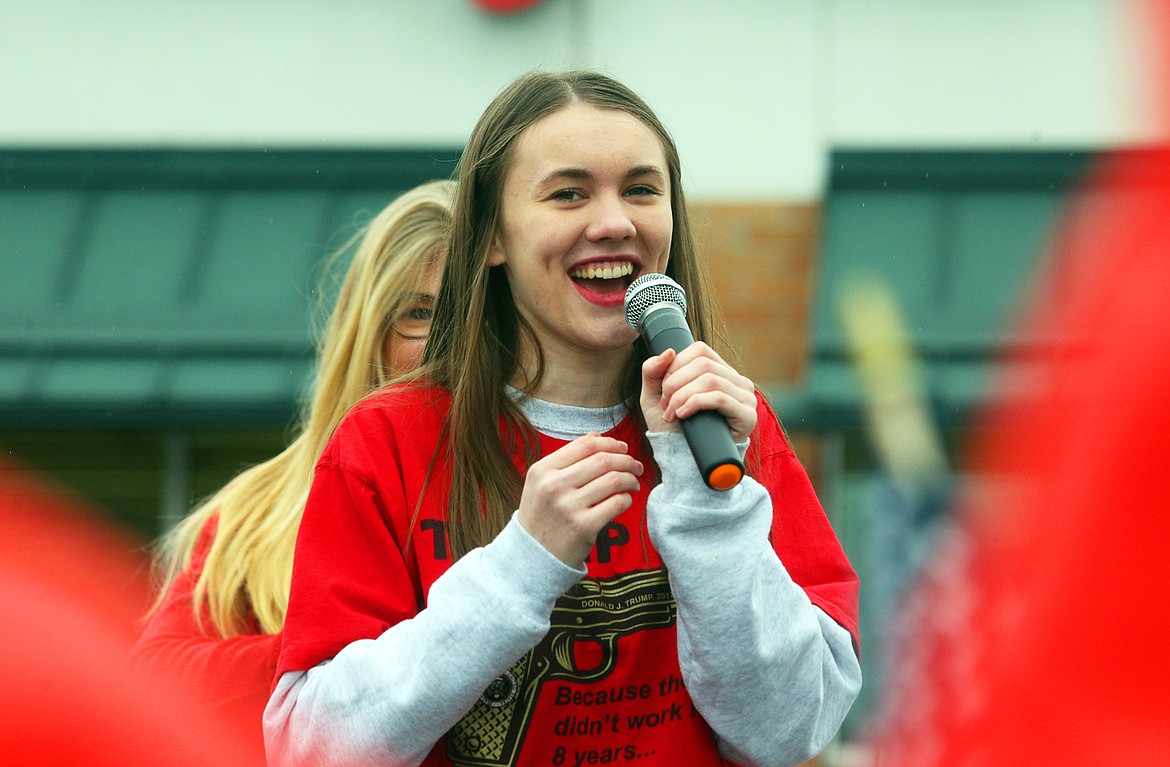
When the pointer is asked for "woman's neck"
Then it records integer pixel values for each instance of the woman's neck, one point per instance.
(579, 380)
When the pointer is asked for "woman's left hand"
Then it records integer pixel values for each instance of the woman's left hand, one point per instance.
(678, 385)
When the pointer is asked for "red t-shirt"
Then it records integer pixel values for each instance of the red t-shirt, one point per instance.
(230, 677)
(606, 679)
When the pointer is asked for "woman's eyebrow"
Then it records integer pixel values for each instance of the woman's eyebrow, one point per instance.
(580, 174)
(576, 174)
(645, 170)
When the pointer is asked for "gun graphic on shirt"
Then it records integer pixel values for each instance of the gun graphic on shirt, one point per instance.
(594, 612)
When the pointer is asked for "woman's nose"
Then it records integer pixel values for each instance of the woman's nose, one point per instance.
(610, 219)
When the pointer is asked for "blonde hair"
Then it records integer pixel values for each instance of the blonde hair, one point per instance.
(249, 563)
(477, 333)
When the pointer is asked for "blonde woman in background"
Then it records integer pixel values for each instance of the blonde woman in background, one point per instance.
(226, 567)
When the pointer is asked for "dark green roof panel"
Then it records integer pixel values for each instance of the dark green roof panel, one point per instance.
(957, 237)
(164, 288)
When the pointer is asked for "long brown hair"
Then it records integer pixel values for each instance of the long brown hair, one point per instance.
(249, 563)
(477, 333)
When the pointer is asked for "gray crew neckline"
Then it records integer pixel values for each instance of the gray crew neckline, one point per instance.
(567, 422)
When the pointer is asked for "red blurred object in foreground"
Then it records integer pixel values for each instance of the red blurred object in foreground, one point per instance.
(49, 533)
(71, 594)
(1040, 630)
(505, 6)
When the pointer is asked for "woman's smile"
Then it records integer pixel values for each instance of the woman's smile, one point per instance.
(603, 282)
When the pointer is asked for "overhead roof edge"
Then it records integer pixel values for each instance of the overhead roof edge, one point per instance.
(231, 168)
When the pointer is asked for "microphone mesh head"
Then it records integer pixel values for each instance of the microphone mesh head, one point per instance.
(650, 289)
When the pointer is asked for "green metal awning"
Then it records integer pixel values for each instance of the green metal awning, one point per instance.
(166, 288)
(957, 237)
(174, 288)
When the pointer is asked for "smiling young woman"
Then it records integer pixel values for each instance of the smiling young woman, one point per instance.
(520, 526)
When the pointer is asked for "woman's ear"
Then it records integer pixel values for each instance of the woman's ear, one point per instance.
(496, 252)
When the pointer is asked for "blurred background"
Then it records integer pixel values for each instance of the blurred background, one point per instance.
(876, 185)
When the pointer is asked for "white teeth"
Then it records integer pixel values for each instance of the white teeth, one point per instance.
(605, 271)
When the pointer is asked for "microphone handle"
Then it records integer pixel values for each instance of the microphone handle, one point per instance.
(706, 431)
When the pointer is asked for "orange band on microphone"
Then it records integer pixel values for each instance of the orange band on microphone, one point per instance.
(725, 477)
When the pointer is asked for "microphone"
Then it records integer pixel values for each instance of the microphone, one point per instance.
(656, 307)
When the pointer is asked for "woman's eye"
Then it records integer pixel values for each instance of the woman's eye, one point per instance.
(567, 195)
(415, 322)
(641, 190)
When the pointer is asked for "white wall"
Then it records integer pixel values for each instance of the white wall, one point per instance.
(756, 91)
(988, 72)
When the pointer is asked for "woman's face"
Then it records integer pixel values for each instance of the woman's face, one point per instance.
(403, 344)
(585, 209)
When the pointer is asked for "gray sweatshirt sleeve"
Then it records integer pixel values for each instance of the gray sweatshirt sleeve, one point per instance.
(771, 673)
(387, 701)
